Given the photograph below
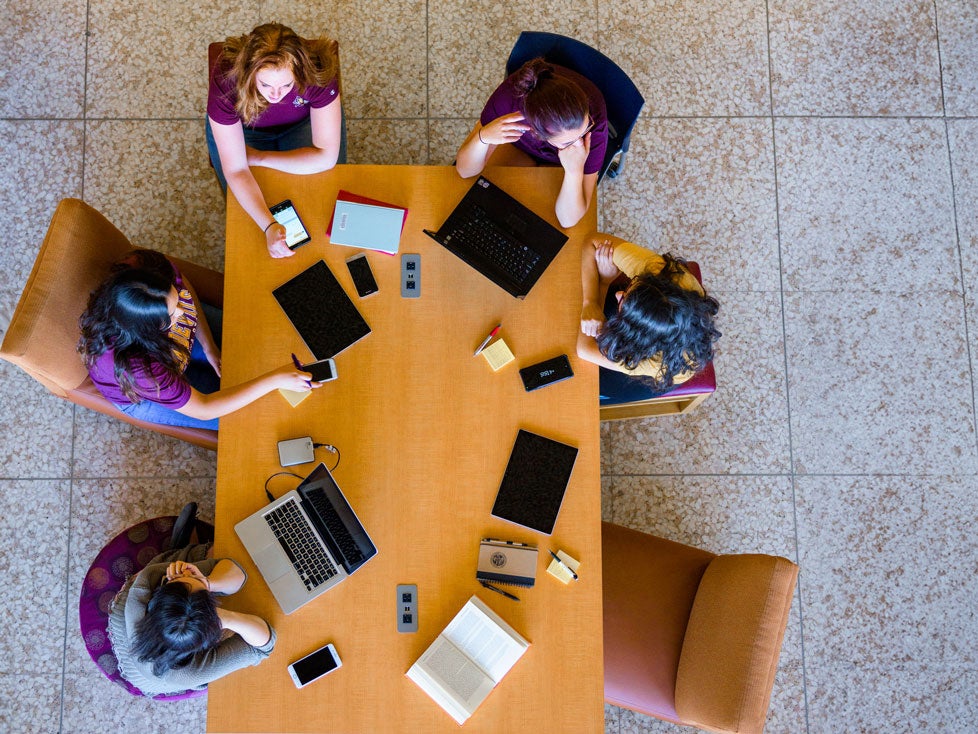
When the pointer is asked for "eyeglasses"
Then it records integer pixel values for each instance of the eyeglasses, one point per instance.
(588, 129)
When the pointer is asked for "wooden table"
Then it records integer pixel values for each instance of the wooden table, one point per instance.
(425, 432)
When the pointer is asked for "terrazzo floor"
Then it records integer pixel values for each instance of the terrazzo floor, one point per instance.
(819, 158)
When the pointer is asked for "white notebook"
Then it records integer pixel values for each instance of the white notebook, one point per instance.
(468, 659)
(366, 226)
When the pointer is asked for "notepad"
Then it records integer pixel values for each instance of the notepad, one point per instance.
(560, 570)
(497, 354)
(294, 396)
(507, 563)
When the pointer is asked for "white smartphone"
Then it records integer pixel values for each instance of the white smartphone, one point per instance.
(322, 371)
(314, 666)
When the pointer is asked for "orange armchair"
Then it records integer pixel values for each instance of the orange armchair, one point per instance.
(689, 636)
(76, 255)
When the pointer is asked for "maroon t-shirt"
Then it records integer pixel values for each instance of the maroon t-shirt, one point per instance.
(292, 108)
(504, 101)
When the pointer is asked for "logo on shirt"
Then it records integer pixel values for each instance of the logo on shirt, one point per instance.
(299, 101)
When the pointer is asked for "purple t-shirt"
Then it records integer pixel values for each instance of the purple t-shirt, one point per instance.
(504, 101)
(292, 108)
(156, 386)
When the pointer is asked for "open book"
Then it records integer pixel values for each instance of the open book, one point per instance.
(468, 659)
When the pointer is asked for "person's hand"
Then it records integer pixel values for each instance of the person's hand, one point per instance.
(573, 157)
(592, 319)
(184, 570)
(506, 129)
(289, 378)
(275, 241)
(603, 256)
(214, 358)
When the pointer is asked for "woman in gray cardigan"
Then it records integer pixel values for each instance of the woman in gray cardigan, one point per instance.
(167, 631)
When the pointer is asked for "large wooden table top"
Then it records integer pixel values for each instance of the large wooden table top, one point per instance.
(425, 432)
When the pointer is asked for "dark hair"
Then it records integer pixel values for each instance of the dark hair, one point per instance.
(658, 318)
(128, 314)
(551, 103)
(178, 624)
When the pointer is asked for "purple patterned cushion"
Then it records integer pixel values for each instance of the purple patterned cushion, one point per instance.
(124, 555)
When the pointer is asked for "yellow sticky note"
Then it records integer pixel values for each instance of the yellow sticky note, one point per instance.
(497, 354)
(294, 396)
(560, 570)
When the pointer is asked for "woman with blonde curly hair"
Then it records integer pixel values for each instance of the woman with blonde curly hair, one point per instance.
(273, 101)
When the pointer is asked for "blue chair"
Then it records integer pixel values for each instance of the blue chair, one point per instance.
(621, 96)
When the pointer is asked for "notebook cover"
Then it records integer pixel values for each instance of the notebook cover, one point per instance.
(534, 483)
(507, 563)
(322, 313)
(376, 231)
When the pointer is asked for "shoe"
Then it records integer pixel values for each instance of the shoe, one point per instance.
(183, 528)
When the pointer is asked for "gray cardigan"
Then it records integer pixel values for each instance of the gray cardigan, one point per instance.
(129, 607)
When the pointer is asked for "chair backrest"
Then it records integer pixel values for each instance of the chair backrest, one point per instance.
(621, 96)
(78, 250)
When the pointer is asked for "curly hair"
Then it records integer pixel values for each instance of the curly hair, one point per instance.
(313, 63)
(551, 103)
(178, 623)
(659, 319)
(128, 314)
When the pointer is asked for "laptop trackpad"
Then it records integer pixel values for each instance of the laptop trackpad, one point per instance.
(272, 562)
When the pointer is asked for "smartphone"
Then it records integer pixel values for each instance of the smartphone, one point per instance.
(314, 666)
(363, 277)
(322, 371)
(295, 231)
(546, 373)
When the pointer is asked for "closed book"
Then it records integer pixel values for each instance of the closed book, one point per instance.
(507, 563)
(366, 223)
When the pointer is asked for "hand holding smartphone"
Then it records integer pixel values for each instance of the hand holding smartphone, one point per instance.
(295, 231)
(322, 371)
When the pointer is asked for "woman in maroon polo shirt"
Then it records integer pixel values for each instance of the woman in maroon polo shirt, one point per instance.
(273, 101)
(543, 114)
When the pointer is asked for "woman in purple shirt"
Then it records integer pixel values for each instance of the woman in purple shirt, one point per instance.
(543, 114)
(150, 351)
(273, 101)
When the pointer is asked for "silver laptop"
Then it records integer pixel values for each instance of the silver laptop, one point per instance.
(306, 541)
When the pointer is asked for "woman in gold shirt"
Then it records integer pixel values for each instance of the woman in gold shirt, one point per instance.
(654, 332)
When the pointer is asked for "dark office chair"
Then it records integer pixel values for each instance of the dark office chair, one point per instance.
(621, 96)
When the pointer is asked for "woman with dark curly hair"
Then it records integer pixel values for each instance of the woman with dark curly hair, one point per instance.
(273, 101)
(149, 349)
(650, 335)
(169, 634)
(543, 114)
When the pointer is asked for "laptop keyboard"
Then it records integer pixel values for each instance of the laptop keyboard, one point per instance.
(481, 234)
(327, 513)
(301, 545)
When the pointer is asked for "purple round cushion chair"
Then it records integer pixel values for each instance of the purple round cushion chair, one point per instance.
(126, 554)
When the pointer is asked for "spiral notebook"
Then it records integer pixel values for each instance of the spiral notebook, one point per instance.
(506, 562)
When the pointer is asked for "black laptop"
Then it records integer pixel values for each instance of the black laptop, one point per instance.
(499, 237)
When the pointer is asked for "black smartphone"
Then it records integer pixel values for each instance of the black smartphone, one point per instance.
(546, 373)
(363, 277)
(322, 371)
(314, 666)
(295, 231)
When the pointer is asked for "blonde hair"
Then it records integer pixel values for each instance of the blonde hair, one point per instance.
(313, 63)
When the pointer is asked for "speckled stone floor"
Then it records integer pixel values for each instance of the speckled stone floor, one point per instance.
(819, 159)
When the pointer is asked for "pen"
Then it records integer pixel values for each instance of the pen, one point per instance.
(561, 562)
(487, 340)
(499, 591)
(298, 366)
(507, 542)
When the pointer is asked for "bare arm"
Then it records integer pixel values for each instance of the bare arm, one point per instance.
(577, 187)
(326, 126)
(597, 272)
(587, 349)
(226, 577)
(253, 630)
(206, 407)
(234, 160)
(482, 141)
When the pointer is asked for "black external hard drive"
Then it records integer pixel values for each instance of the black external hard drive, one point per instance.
(546, 373)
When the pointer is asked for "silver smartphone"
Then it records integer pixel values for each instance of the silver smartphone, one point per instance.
(322, 371)
(314, 666)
